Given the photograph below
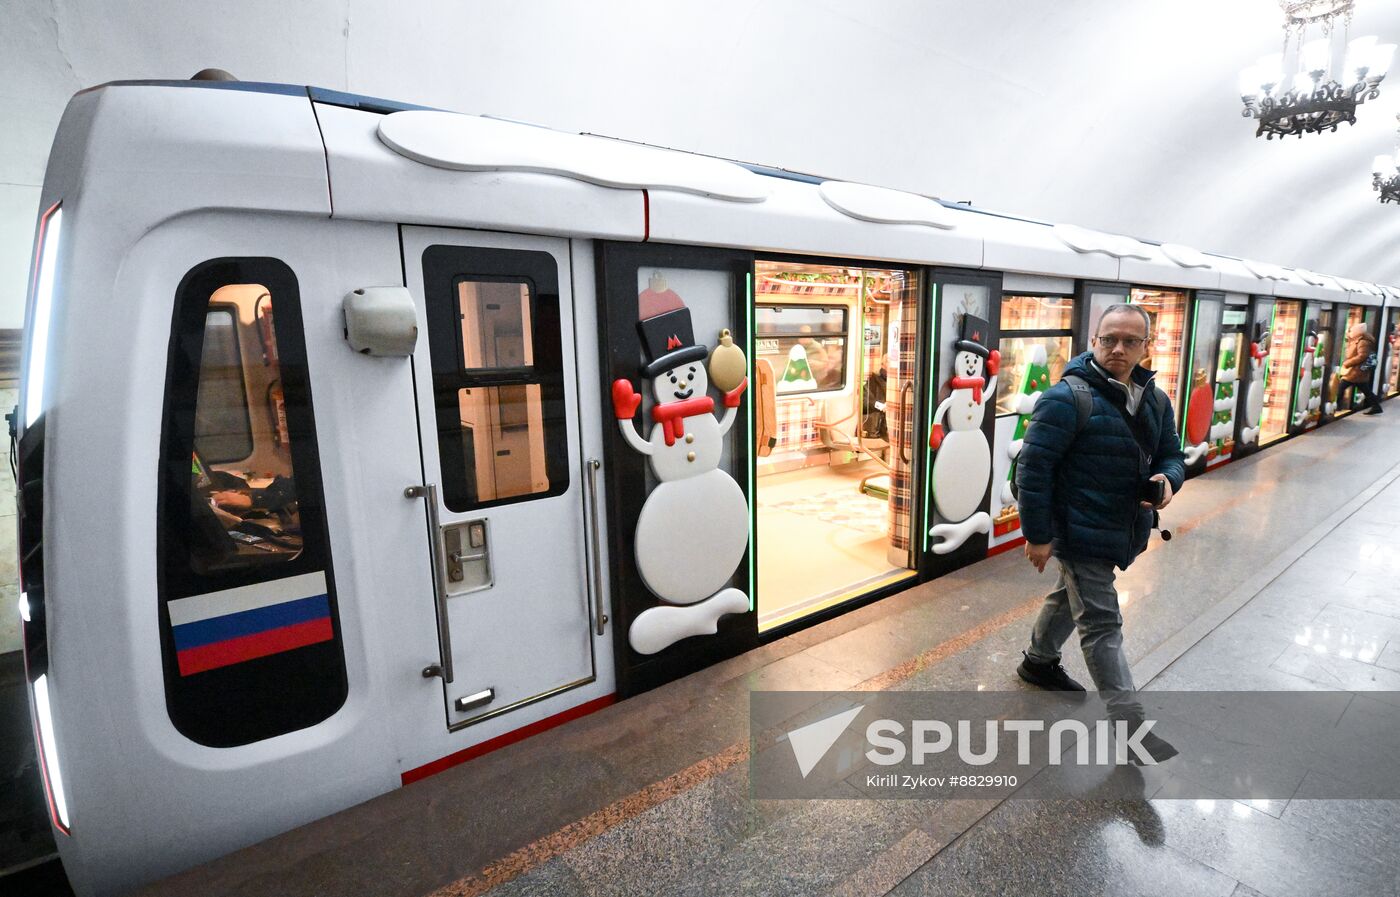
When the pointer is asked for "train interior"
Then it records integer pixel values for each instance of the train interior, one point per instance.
(1281, 365)
(833, 346)
(1166, 309)
(244, 496)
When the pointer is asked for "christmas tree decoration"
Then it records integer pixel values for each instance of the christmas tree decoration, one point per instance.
(1222, 425)
(797, 374)
(1034, 381)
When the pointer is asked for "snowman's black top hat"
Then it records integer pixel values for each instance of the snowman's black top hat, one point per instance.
(1261, 332)
(667, 335)
(974, 335)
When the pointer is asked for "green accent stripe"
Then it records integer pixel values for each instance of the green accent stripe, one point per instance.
(753, 445)
(928, 404)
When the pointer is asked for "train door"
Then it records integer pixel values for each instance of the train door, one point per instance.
(1206, 397)
(1037, 340)
(963, 343)
(1388, 347)
(1314, 343)
(1279, 325)
(837, 350)
(1368, 317)
(1231, 385)
(503, 484)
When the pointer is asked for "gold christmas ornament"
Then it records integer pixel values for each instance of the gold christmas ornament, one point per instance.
(728, 367)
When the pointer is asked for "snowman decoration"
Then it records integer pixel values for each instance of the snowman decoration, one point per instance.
(693, 528)
(963, 463)
(1254, 398)
(1307, 401)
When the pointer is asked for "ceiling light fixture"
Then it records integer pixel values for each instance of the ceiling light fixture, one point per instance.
(1385, 176)
(1297, 93)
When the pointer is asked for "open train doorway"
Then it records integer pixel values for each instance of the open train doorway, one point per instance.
(835, 360)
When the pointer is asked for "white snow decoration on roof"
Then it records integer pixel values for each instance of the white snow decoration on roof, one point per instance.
(1312, 277)
(885, 206)
(1081, 239)
(1185, 256)
(471, 143)
(1264, 270)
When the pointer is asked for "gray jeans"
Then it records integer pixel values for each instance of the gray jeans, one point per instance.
(1085, 599)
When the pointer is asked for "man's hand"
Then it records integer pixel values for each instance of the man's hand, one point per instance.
(1039, 555)
(1166, 492)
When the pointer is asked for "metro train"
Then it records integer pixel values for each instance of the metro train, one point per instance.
(405, 434)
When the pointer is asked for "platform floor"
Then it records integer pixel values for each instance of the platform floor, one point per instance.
(650, 796)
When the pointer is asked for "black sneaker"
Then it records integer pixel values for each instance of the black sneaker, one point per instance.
(1373, 410)
(1049, 676)
(1159, 749)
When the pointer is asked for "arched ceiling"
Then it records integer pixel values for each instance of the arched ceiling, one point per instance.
(1120, 116)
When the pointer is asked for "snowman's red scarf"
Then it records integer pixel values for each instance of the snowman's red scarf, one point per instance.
(671, 415)
(973, 383)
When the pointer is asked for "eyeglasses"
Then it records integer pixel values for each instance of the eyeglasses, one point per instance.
(1128, 342)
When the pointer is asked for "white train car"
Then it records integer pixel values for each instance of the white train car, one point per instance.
(354, 393)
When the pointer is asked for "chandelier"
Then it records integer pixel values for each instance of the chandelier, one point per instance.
(1298, 92)
(1385, 176)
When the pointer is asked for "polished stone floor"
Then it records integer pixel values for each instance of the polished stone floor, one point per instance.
(1281, 576)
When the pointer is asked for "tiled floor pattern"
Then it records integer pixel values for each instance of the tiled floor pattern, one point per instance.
(1329, 620)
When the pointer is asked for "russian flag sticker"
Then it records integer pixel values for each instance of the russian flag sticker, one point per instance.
(233, 626)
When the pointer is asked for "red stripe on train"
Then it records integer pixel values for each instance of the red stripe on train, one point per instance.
(250, 647)
(500, 741)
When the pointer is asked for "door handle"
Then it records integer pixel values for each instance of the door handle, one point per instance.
(905, 411)
(600, 615)
(429, 493)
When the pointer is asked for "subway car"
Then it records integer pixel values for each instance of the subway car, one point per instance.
(405, 434)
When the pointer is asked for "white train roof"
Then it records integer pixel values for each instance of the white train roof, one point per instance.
(240, 145)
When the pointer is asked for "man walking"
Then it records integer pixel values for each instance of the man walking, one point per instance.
(1100, 456)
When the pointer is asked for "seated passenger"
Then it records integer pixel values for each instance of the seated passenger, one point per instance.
(873, 422)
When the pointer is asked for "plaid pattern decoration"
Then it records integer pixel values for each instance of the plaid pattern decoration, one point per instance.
(797, 430)
(901, 419)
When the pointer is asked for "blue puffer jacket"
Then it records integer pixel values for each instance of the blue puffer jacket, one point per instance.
(1079, 492)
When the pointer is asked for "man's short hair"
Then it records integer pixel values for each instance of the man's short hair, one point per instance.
(1120, 307)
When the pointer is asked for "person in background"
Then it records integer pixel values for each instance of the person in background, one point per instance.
(1359, 367)
(1089, 487)
(873, 424)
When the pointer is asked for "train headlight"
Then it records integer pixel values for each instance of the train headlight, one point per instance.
(24, 607)
(48, 748)
(50, 228)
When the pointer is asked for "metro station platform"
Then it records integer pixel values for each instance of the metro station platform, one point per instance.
(1281, 576)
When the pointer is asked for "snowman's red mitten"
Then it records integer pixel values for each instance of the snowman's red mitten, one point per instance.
(993, 362)
(935, 436)
(625, 399)
(731, 398)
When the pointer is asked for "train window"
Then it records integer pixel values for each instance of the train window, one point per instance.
(243, 495)
(805, 344)
(499, 426)
(248, 611)
(222, 430)
(1036, 341)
